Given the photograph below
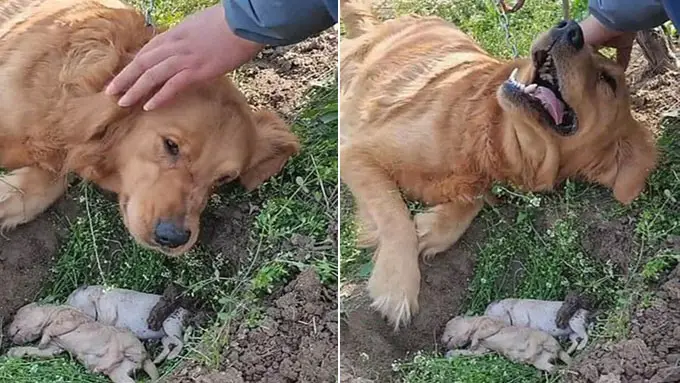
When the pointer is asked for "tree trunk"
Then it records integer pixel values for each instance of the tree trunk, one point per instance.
(657, 50)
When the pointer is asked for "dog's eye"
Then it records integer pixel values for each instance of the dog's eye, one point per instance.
(604, 76)
(171, 147)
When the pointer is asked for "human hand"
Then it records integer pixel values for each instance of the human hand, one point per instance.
(199, 48)
(597, 35)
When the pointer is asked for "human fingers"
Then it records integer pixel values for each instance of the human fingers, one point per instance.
(145, 59)
(150, 79)
(174, 85)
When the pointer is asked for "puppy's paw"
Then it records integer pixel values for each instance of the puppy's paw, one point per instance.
(394, 286)
(432, 237)
(16, 352)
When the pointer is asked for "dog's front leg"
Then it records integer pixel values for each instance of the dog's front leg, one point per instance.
(476, 352)
(27, 192)
(119, 375)
(47, 352)
(441, 226)
(395, 282)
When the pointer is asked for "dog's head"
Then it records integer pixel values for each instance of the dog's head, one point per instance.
(458, 332)
(566, 85)
(164, 164)
(29, 323)
(581, 97)
(463, 330)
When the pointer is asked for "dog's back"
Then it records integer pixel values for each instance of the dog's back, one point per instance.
(122, 308)
(532, 313)
(406, 61)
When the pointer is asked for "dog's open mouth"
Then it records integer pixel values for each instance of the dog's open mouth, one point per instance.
(543, 94)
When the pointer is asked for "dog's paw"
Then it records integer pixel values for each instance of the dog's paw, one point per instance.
(25, 193)
(11, 204)
(432, 237)
(394, 286)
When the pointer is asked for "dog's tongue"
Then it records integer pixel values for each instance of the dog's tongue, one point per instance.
(551, 103)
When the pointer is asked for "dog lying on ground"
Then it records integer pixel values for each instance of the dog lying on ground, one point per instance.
(427, 113)
(542, 315)
(129, 309)
(101, 348)
(519, 344)
(56, 56)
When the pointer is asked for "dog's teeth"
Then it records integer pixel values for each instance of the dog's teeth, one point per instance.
(531, 88)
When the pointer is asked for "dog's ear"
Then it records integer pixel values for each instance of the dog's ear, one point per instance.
(96, 124)
(482, 329)
(636, 157)
(274, 146)
(88, 117)
(61, 321)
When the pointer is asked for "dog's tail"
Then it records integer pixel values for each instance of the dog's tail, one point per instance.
(572, 303)
(150, 369)
(358, 17)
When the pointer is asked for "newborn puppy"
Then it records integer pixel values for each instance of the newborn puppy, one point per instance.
(519, 344)
(130, 310)
(101, 348)
(542, 315)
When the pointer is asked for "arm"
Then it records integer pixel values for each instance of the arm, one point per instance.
(613, 23)
(279, 22)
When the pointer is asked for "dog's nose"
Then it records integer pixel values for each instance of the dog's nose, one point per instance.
(571, 32)
(169, 234)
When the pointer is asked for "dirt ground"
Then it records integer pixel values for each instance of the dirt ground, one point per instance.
(295, 341)
(652, 351)
(28, 252)
(369, 346)
(278, 77)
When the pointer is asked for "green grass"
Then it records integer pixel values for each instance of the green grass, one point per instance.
(301, 201)
(533, 243)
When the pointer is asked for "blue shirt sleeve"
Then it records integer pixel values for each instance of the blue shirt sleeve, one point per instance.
(279, 22)
(628, 15)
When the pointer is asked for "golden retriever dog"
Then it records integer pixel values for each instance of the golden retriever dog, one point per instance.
(56, 57)
(101, 348)
(427, 113)
(519, 344)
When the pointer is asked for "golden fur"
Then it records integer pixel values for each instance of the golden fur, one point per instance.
(56, 56)
(424, 112)
(101, 348)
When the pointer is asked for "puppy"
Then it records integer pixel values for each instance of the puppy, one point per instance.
(519, 344)
(129, 309)
(428, 114)
(101, 348)
(542, 315)
(56, 57)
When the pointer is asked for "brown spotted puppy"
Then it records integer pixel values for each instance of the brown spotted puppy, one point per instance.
(103, 349)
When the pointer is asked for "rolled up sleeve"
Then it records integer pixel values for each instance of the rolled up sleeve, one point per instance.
(279, 22)
(628, 15)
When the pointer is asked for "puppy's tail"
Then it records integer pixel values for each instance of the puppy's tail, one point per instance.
(150, 369)
(572, 303)
(358, 17)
